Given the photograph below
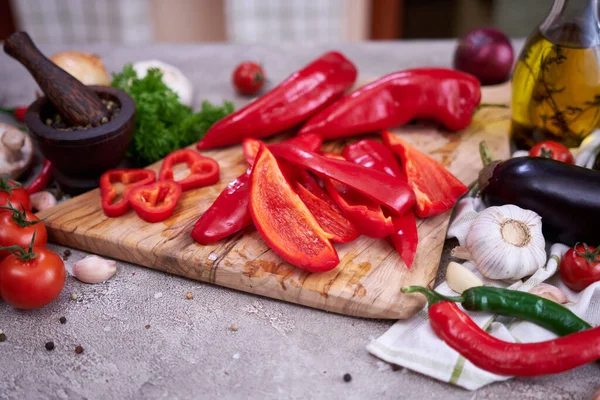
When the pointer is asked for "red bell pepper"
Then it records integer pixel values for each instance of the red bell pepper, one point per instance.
(155, 202)
(436, 189)
(309, 142)
(292, 102)
(131, 178)
(284, 222)
(375, 155)
(42, 180)
(204, 171)
(444, 95)
(380, 187)
(227, 215)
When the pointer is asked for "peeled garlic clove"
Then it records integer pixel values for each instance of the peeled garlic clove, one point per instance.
(550, 292)
(460, 278)
(41, 201)
(94, 269)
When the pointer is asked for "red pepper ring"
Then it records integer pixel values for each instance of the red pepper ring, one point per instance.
(155, 202)
(129, 177)
(204, 171)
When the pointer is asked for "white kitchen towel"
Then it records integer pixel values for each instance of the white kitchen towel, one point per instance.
(412, 343)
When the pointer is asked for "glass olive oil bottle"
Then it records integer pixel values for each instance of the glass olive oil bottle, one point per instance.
(556, 82)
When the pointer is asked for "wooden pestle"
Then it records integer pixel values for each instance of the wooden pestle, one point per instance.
(75, 102)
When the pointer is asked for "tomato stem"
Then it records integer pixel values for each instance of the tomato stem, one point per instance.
(5, 185)
(20, 252)
(589, 256)
(20, 217)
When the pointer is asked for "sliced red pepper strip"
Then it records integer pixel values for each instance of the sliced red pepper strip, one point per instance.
(155, 202)
(375, 155)
(42, 180)
(129, 177)
(444, 95)
(204, 171)
(436, 189)
(308, 142)
(228, 214)
(376, 185)
(292, 102)
(284, 222)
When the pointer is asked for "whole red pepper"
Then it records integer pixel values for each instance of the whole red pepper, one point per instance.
(444, 95)
(204, 171)
(375, 155)
(228, 214)
(42, 180)
(156, 201)
(128, 177)
(18, 113)
(459, 331)
(292, 102)
(436, 189)
(309, 142)
(379, 186)
(284, 222)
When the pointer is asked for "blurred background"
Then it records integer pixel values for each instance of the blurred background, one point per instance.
(262, 21)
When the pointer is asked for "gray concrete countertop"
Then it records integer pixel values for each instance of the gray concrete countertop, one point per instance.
(143, 339)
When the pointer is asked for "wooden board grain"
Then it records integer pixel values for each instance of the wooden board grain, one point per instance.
(368, 279)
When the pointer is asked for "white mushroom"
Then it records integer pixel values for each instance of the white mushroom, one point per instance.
(16, 151)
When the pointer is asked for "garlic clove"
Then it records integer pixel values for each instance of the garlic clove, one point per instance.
(41, 201)
(94, 269)
(550, 292)
(460, 278)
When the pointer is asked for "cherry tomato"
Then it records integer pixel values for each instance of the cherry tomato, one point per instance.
(19, 113)
(553, 150)
(33, 283)
(13, 192)
(17, 228)
(248, 78)
(580, 267)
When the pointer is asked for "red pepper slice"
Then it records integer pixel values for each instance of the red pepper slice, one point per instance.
(283, 220)
(129, 177)
(204, 171)
(375, 155)
(155, 202)
(444, 95)
(376, 185)
(436, 189)
(292, 102)
(42, 180)
(308, 142)
(227, 215)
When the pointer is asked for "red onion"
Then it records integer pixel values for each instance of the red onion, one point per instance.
(485, 53)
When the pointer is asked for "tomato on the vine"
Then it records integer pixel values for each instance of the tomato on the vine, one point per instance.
(248, 78)
(17, 228)
(13, 192)
(553, 150)
(580, 266)
(31, 279)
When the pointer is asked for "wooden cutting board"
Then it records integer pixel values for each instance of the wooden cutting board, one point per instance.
(368, 279)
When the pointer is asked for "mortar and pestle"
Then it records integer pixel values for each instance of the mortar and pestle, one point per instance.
(91, 137)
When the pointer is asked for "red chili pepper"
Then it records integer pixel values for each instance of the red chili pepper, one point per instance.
(156, 201)
(376, 185)
(310, 142)
(375, 155)
(42, 180)
(227, 215)
(447, 96)
(204, 171)
(283, 220)
(292, 102)
(436, 189)
(19, 113)
(459, 331)
(129, 177)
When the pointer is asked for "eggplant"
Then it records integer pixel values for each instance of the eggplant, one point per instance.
(566, 196)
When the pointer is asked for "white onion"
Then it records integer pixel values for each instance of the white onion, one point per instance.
(86, 67)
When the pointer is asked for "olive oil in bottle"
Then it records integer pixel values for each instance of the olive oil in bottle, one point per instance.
(556, 82)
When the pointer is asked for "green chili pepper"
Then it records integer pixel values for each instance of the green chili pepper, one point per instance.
(512, 303)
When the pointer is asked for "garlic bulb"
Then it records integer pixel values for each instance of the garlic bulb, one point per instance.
(172, 77)
(460, 278)
(94, 269)
(506, 242)
(86, 67)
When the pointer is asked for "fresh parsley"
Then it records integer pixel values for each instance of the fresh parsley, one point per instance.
(163, 124)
